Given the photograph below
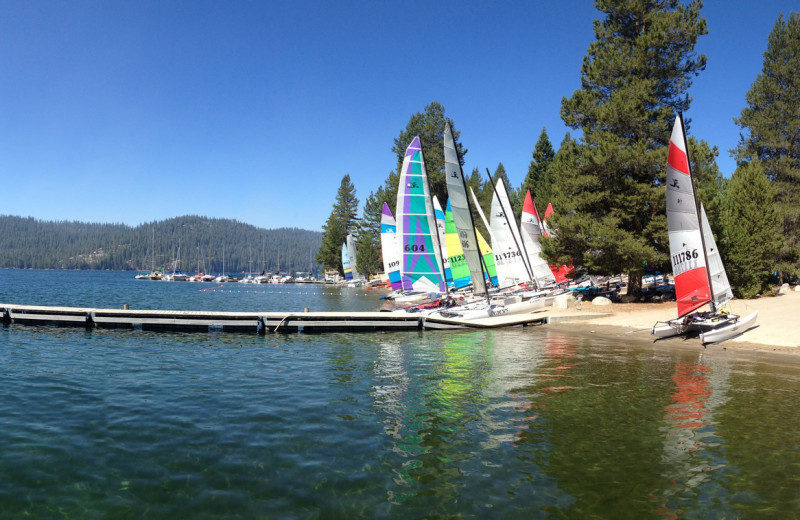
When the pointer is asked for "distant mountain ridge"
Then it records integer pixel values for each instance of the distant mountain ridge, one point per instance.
(27, 243)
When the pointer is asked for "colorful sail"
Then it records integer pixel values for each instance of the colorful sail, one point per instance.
(462, 217)
(459, 270)
(547, 214)
(530, 231)
(720, 287)
(420, 266)
(390, 250)
(512, 264)
(346, 266)
(692, 289)
(440, 228)
(488, 259)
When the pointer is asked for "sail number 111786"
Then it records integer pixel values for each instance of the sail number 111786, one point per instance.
(684, 256)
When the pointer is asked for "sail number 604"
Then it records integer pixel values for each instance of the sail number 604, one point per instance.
(415, 248)
(684, 256)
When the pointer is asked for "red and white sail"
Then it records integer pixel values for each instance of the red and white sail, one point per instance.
(692, 289)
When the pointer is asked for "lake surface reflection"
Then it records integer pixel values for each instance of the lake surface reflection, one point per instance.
(526, 422)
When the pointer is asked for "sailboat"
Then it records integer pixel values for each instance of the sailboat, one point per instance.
(390, 250)
(421, 262)
(346, 265)
(357, 279)
(697, 267)
(531, 230)
(509, 253)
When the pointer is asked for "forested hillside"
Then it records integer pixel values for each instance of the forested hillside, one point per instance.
(31, 243)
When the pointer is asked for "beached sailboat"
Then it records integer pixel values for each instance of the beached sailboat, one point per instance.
(697, 268)
(531, 230)
(509, 253)
(421, 262)
(390, 250)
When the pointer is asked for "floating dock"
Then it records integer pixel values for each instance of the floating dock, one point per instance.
(252, 322)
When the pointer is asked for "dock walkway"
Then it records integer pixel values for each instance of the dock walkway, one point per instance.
(254, 322)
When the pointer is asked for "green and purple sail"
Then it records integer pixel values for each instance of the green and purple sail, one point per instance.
(420, 265)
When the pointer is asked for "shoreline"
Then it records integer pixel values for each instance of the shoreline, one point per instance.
(777, 329)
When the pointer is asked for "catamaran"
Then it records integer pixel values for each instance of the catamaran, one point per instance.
(421, 269)
(697, 267)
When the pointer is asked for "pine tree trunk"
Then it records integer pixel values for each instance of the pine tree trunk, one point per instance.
(635, 283)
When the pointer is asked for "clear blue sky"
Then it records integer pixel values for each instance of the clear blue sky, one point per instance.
(131, 112)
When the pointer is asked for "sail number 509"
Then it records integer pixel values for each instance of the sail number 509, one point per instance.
(684, 256)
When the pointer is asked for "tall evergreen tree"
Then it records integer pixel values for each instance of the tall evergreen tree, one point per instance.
(611, 215)
(536, 181)
(342, 220)
(752, 230)
(368, 253)
(429, 126)
(772, 119)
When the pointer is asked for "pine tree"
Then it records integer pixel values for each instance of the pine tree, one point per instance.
(342, 220)
(368, 253)
(772, 117)
(537, 181)
(429, 126)
(611, 215)
(751, 230)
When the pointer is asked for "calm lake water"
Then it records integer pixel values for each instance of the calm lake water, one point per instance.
(537, 422)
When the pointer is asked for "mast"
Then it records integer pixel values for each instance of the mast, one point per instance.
(512, 228)
(457, 172)
(697, 207)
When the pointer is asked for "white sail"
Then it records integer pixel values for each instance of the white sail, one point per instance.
(509, 259)
(351, 253)
(720, 287)
(462, 217)
(440, 227)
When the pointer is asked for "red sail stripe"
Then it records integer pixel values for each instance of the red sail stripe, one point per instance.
(691, 290)
(677, 159)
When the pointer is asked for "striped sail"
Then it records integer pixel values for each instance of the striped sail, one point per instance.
(390, 251)
(685, 235)
(440, 228)
(488, 259)
(351, 252)
(462, 217)
(346, 267)
(420, 265)
(720, 287)
(530, 231)
(459, 270)
(511, 263)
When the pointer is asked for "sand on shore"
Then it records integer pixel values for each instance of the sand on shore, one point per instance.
(777, 327)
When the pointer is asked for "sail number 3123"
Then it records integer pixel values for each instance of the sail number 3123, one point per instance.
(684, 256)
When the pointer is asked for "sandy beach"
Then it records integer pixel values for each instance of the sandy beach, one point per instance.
(777, 327)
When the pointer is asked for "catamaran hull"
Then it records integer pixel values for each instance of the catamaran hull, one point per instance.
(711, 330)
(728, 331)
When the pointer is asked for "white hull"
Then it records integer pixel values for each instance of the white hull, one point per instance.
(730, 330)
(712, 329)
